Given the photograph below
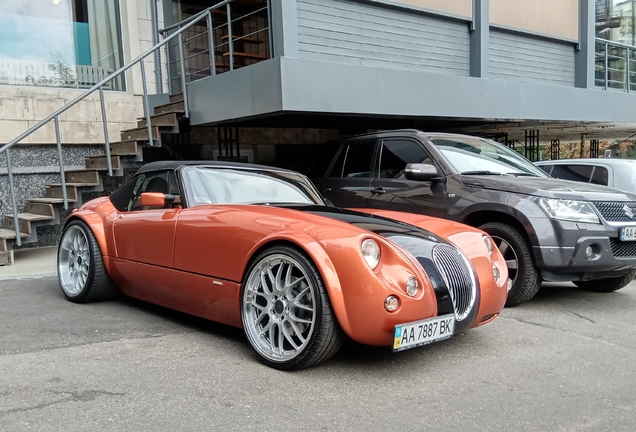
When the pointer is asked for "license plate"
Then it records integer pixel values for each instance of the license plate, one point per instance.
(423, 332)
(628, 233)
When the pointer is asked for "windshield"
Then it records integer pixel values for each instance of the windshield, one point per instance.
(471, 155)
(208, 185)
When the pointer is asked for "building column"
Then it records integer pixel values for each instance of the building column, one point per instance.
(479, 36)
(584, 56)
(284, 28)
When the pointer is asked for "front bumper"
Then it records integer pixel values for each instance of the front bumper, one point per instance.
(563, 250)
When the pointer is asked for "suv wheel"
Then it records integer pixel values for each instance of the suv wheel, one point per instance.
(608, 284)
(524, 275)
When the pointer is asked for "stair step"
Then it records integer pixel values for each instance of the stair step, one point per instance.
(175, 107)
(9, 234)
(139, 134)
(55, 191)
(100, 163)
(178, 97)
(87, 177)
(6, 258)
(124, 148)
(160, 120)
(50, 200)
(24, 221)
(44, 209)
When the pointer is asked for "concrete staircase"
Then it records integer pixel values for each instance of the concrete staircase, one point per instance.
(127, 153)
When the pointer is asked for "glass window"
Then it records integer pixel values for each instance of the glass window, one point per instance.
(600, 176)
(358, 159)
(581, 173)
(396, 154)
(229, 186)
(320, 166)
(60, 43)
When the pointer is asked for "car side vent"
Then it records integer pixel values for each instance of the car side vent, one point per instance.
(459, 278)
(472, 185)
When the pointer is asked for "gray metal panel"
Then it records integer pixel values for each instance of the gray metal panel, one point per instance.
(522, 57)
(368, 35)
(299, 85)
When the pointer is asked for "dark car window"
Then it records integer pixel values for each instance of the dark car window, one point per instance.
(581, 173)
(320, 166)
(354, 160)
(546, 168)
(600, 176)
(397, 153)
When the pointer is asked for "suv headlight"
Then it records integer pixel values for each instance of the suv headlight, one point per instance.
(570, 210)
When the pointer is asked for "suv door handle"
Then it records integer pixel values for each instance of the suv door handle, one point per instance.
(378, 190)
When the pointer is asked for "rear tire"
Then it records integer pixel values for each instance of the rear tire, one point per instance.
(607, 285)
(522, 270)
(285, 311)
(80, 266)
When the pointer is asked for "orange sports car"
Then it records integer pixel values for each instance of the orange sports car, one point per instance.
(257, 247)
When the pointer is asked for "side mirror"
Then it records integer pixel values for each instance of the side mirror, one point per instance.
(420, 172)
(156, 199)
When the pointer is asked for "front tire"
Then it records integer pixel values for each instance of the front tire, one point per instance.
(524, 275)
(286, 313)
(607, 285)
(80, 266)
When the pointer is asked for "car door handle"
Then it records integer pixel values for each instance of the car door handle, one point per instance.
(378, 190)
(326, 189)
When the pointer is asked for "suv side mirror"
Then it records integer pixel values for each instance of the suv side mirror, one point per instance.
(421, 172)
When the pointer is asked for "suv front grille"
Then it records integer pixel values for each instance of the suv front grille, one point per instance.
(459, 279)
(623, 249)
(617, 211)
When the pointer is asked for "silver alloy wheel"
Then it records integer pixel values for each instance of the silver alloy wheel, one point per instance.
(279, 308)
(510, 256)
(73, 264)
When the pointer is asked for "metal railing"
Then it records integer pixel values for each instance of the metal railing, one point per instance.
(180, 28)
(615, 65)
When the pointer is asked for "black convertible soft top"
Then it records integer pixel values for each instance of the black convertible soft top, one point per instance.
(167, 165)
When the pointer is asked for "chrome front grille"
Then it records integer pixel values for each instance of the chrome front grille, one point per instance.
(617, 211)
(459, 278)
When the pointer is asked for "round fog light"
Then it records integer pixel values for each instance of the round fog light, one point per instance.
(391, 303)
(412, 286)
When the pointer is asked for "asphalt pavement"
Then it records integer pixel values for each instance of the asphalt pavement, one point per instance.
(561, 362)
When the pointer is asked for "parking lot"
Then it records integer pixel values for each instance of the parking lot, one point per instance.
(561, 362)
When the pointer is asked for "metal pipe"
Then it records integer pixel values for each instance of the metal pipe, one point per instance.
(211, 44)
(106, 142)
(627, 68)
(61, 161)
(183, 78)
(146, 104)
(14, 204)
(155, 40)
(229, 35)
(606, 70)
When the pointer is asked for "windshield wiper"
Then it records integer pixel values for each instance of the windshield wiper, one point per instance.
(523, 174)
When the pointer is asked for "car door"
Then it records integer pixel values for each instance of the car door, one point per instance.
(392, 191)
(348, 183)
(146, 235)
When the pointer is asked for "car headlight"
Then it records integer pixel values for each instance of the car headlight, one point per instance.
(371, 252)
(570, 210)
(488, 242)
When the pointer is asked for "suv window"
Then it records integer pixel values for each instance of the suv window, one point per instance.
(600, 176)
(581, 173)
(397, 153)
(354, 160)
(320, 166)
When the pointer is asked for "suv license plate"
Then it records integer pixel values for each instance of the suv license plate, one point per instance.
(423, 332)
(628, 233)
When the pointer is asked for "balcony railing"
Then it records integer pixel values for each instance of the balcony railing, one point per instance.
(615, 65)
